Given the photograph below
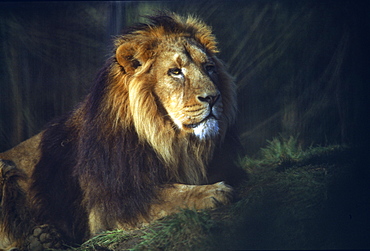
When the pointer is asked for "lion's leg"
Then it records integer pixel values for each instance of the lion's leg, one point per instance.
(172, 198)
(98, 223)
(179, 196)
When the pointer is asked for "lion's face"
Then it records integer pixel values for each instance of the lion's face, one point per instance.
(186, 87)
(171, 82)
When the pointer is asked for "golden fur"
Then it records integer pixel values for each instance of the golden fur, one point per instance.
(149, 128)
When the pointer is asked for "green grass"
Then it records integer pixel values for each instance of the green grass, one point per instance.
(187, 230)
(282, 151)
(108, 239)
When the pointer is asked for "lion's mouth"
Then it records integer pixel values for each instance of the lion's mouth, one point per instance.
(195, 125)
(192, 125)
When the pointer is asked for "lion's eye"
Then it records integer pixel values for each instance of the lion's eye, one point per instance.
(175, 71)
(210, 68)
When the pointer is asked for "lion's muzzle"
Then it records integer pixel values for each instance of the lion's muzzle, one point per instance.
(210, 99)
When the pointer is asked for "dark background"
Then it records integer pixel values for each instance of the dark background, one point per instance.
(302, 67)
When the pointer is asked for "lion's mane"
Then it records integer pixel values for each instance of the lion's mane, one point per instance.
(116, 149)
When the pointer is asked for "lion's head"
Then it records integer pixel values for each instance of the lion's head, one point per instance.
(167, 83)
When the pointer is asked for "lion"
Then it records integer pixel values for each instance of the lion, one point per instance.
(154, 135)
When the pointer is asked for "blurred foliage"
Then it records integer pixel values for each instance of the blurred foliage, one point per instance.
(301, 66)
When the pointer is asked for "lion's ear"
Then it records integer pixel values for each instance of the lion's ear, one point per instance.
(126, 57)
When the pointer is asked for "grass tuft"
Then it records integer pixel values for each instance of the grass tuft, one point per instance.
(187, 230)
(282, 152)
(108, 240)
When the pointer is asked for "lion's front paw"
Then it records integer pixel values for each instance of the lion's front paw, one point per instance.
(44, 237)
(211, 196)
(180, 196)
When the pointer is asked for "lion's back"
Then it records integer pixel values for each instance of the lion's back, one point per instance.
(25, 155)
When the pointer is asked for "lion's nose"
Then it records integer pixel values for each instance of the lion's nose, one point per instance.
(210, 99)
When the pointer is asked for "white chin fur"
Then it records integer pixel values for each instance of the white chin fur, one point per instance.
(208, 128)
